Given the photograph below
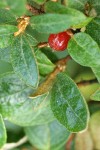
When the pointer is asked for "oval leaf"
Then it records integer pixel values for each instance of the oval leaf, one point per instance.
(52, 7)
(52, 136)
(52, 23)
(3, 135)
(84, 50)
(85, 74)
(68, 105)
(90, 7)
(88, 89)
(44, 64)
(23, 61)
(18, 108)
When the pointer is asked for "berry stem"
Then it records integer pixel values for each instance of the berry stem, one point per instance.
(42, 45)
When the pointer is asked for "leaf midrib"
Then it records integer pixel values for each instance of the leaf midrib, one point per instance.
(69, 104)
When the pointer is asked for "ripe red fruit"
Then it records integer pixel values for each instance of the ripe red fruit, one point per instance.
(59, 41)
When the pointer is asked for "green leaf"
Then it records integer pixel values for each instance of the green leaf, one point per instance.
(84, 23)
(84, 50)
(6, 17)
(93, 29)
(31, 39)
(95, 5)
(40, 2)
(5, 54)
(3, 135)
(96, 71)
(10, 127)
(68, 105)
(96, 96)
(38, 36)
(90, 7)
(85, 74)
(5, 67)
(95, 129)
(44, 64)
(52, 136)
(6, 35)
(77, 4)
(94, 107)
(52, 7)
(73, 68)
(18, 7)
(88, 89)
(18, 108)
(32, 3)
(53, 23)
(23, 61)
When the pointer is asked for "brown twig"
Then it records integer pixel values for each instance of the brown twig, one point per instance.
(22, 24)
(61, 64)
(83, 83)
(34, 10)
(44, 44)
(45, 86)
(10, 146)
(69, 142)
(54, 0)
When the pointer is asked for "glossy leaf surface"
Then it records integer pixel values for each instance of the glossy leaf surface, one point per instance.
(68, 105)
(44, 64)
(57, 8)
(23, 61)
(17, 107)
(53, 23)
(84, 50)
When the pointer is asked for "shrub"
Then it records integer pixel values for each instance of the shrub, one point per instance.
(48, 95)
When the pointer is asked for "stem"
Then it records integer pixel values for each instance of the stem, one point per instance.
(10, 146)
(44, 44)
(69, 142)
(54, 0)
(47, 84)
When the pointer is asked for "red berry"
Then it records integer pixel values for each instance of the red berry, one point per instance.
(59, 41)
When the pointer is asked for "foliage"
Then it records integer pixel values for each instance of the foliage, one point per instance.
(46, 95)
